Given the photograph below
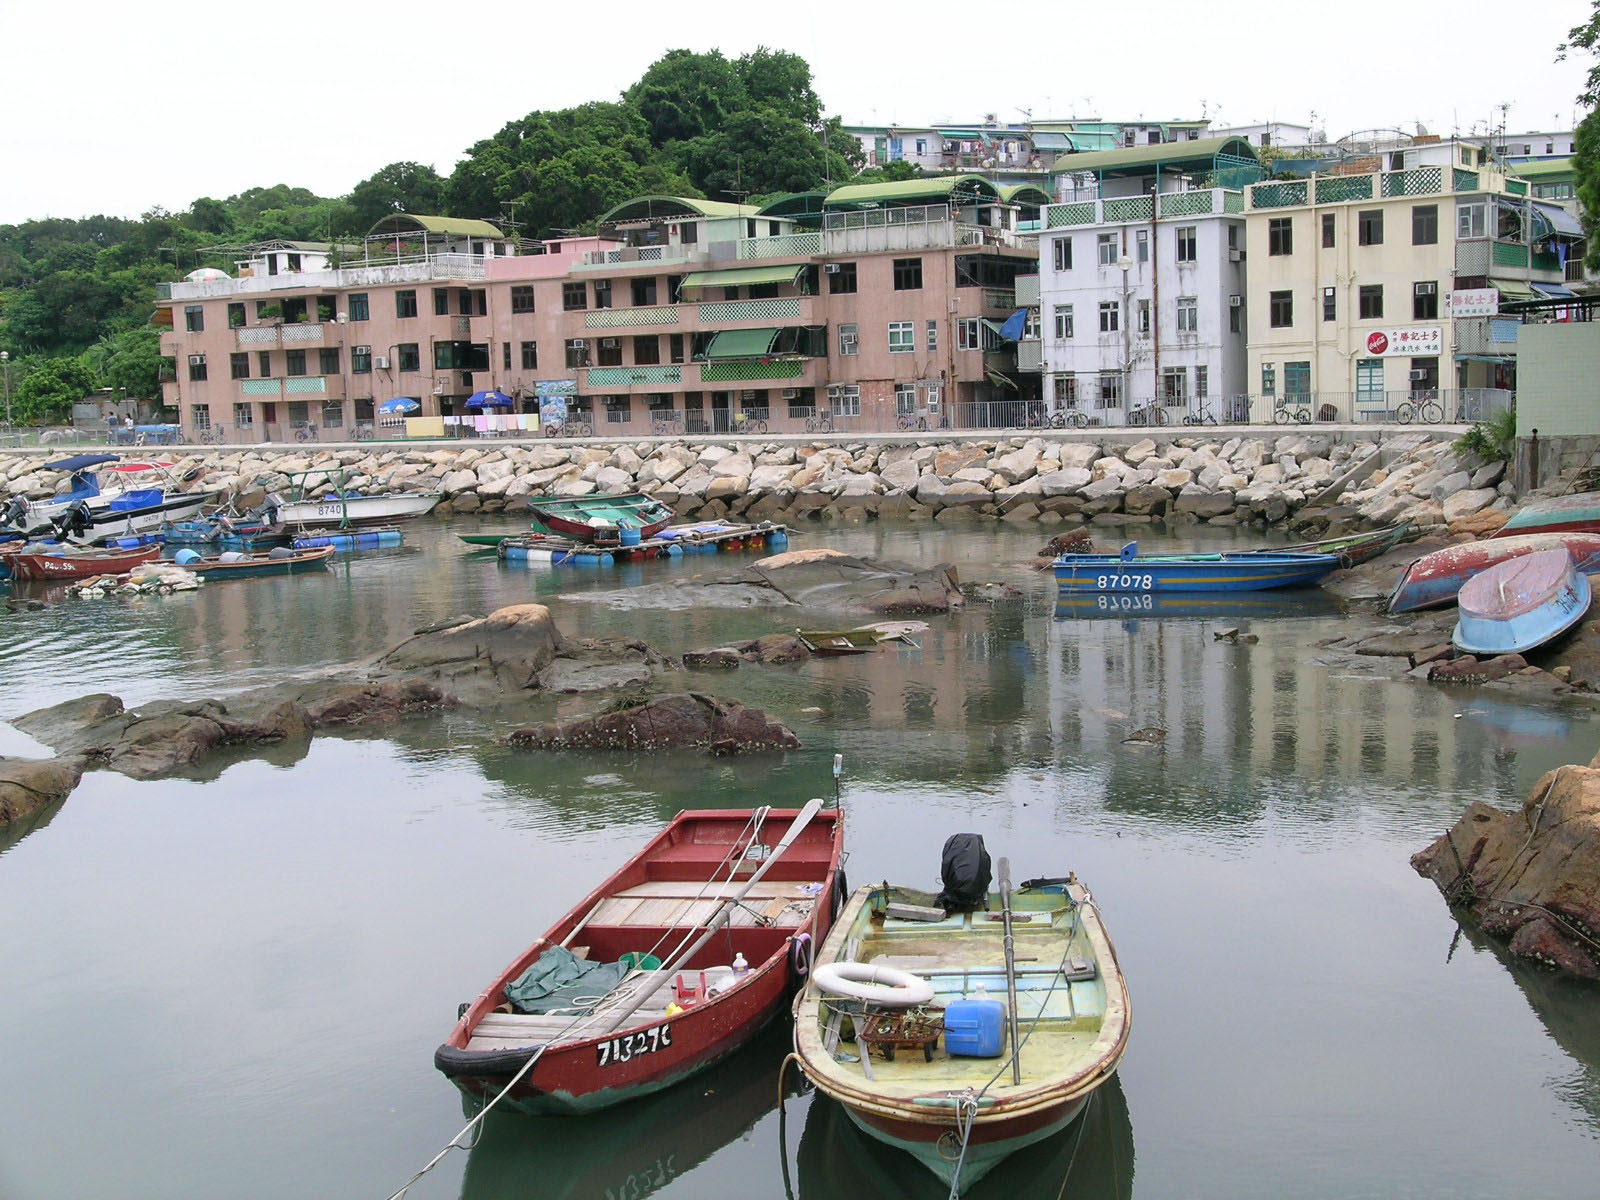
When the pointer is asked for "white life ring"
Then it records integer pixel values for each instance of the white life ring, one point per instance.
(889, 987)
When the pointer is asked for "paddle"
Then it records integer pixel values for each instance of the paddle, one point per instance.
(723, 915)
(1011, 969)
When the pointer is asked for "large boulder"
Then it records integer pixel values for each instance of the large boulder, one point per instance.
(29, 785)
(661, 723)
(1531, 877)
(483, 660)
(831, 579)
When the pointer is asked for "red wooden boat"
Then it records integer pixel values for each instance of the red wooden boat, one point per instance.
(600, 519)
(1578, 513)
(80, 564)
(1436, 578)
(648, 965)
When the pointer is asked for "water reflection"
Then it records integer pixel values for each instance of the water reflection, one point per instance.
(1566, 1008)
(1092, 1159)
(634, 1150)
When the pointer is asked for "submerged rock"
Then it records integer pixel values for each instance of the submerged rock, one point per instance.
(833, 579)
(664, 722)
(1531, 877)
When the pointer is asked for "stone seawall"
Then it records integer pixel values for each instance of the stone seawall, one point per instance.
(1264, 480)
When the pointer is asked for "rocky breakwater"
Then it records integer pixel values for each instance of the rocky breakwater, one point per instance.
(1263, 480)
(1531, 877)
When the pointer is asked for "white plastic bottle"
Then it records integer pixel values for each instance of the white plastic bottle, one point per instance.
(740, 966)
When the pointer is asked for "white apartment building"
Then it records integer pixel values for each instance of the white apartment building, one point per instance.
(1376, 293)
(1141, 315)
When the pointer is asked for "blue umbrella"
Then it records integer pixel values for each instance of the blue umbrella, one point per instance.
(400, 404)
(493, 399)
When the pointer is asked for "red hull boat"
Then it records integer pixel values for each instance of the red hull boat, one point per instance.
(78, 565)
(716, 891)
(1436, 578)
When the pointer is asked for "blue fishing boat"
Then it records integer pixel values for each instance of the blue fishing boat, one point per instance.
(1242, 572)
(1521, 603)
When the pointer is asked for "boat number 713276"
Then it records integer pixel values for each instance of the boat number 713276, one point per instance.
(622, 1049)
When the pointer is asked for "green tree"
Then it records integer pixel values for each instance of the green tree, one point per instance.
(1586, 159)
(779, 80)
(402, 187)
(128, 362)
(1586, 169)
(47, 394)
(684, 95)
(758, 151)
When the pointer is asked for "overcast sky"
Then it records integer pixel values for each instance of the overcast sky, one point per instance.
(119, 109)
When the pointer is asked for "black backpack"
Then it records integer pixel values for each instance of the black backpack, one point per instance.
(964, 870)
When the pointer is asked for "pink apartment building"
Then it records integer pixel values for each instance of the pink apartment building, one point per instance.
(876, 306)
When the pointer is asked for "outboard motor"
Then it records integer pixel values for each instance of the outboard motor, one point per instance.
(74, 522)
(964, 871)
(15, 513)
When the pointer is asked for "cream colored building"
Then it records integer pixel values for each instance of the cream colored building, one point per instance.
(1351, 284)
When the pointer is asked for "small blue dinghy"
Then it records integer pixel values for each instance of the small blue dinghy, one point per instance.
(1246, 572)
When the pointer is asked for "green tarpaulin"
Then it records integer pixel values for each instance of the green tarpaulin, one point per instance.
(561, 982)
(743, 277)
(742, 343)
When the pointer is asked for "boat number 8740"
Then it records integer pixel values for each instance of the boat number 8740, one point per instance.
(622, 1049)
(1125, 582)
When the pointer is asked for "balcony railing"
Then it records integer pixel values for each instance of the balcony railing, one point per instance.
(612, 318)
(1116, 210)
(596, 378)
(773, 309)
(371, 272)
(783, 245)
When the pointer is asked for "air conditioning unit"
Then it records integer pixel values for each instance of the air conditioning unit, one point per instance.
(196, 359)
(1235, 255)
(832, 268)
(791, 393)
(1235, 301)
(381, 362)
(611, 343)
(1419, 374)
(1427, 289)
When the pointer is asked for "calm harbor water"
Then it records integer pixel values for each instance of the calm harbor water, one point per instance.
(231, 985)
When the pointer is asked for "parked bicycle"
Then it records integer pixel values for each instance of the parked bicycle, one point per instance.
(1425, 409)
(306, 433)
(1147, 414)
(666, 426)
(1286, 413)
(572, 429)
(364, 433)
(745, 423)
(208, 437)
(911, 420)
(1064, 418)
(819, 423)
(1199, 416)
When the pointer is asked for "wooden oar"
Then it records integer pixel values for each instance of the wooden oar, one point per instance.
(1011, 970)
(723, 915)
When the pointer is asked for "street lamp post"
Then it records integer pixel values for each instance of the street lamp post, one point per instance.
(5, 369)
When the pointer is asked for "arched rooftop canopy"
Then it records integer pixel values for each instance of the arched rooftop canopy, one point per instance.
(1024, 193)
(444, 226)
(644, 208)
(794, 204)
(925, 189)
(1192, 158)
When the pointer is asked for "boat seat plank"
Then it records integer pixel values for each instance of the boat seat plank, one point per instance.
(689, 889)
(673, 912)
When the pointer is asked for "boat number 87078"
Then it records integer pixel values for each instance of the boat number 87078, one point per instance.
(1125, 582)
(622, 1049)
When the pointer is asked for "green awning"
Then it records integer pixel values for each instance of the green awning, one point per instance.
(742, 343)
(1000, 380)
(1512, 290)
(743, 277)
